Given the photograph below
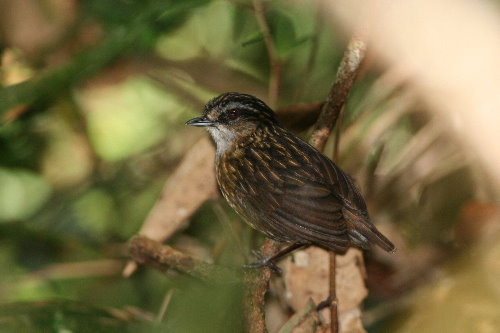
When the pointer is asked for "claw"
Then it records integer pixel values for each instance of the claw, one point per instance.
(271, 261)
(265, 263)
(324, 304)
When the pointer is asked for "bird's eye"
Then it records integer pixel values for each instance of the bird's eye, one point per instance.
(233, 114)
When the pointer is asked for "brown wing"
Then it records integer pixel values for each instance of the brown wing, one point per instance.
(291, 192)
(323, 203)
(362, 233)
(311, 213)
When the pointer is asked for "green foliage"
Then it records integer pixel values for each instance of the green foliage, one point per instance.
(22, 193)
(164, 15)
(132, 26)
(201, 309)
(20, 144)
(64, 316)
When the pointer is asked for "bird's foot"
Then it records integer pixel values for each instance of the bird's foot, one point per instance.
(264, 262)
(324, 304)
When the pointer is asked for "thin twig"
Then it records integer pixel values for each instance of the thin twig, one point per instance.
(348, 69)
(334, 315)
(274, 61)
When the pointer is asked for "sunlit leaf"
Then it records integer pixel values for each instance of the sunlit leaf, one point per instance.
(22, 193)
(127, 118)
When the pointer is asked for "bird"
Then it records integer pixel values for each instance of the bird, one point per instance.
(281, 185)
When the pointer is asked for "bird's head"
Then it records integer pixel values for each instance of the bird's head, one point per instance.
(234, 116)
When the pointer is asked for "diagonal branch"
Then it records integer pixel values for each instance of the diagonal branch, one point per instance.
(163, 257)
(347, 72)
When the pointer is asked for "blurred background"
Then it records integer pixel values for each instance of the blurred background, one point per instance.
(93, 103)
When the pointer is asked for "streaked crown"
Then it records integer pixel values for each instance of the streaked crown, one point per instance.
(232, 106)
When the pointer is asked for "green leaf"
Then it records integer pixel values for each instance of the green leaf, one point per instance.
(253, 38)
(128, 117)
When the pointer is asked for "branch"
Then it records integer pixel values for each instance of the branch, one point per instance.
(256, 286)
(163, 257)
(348, 69)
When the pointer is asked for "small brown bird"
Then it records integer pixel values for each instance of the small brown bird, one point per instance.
(281, 185)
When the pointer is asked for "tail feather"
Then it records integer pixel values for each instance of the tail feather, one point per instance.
(364, 234)
(376, 237)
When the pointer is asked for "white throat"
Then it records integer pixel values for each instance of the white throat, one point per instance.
(223, 138)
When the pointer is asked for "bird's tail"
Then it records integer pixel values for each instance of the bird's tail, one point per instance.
(369, 231)
(364, 234)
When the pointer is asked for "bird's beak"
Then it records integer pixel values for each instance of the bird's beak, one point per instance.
(200, 121)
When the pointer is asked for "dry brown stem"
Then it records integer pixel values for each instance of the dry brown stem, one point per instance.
(348, 69)
(163, 257)
(332, 288)
(192, 183)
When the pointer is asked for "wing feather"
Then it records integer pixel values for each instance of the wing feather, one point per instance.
(307, 199)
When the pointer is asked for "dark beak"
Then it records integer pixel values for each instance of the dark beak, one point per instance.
(200, 121)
